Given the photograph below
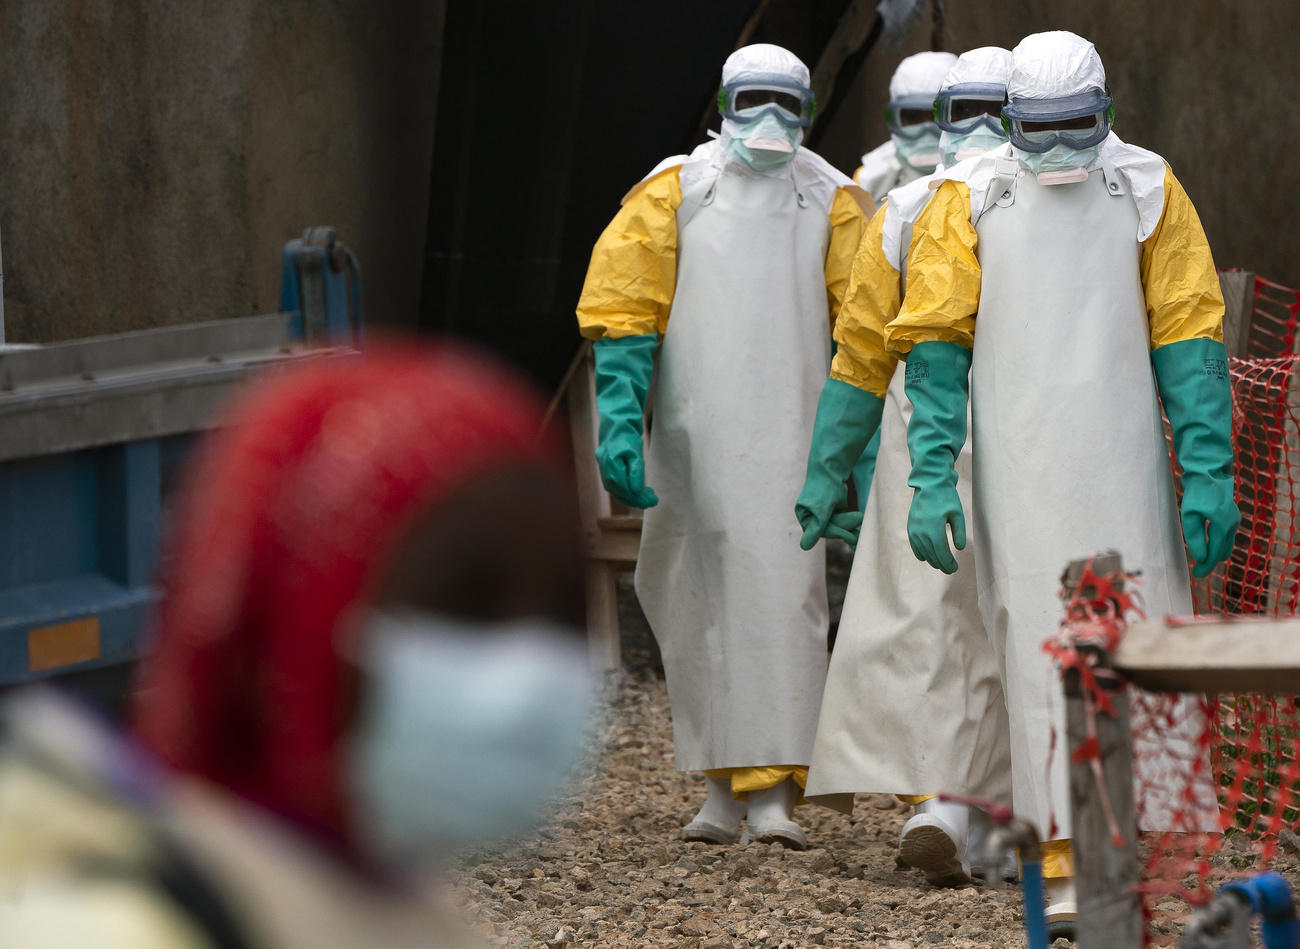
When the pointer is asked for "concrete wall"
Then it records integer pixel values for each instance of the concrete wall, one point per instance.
(1208, 85)
(155, 156)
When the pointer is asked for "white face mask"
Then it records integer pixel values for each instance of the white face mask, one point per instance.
(1059, 157)
(920, 153)
(467, 729)
(765, 144)
(955, 147)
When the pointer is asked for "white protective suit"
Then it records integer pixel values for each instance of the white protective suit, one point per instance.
(1069, 454)
(882, 170)
(913, 702)
(739, 611)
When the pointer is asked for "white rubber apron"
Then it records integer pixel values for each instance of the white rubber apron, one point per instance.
(1070, 457)
(913, 701)
(738, 609)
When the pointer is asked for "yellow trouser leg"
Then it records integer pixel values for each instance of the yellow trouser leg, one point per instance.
(914, 799)
(1058, 859)
(744, 780)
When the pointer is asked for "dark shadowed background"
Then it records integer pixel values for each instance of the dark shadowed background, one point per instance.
(155, 156)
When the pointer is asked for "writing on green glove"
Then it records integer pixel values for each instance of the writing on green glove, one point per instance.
(1193, 378)
(624, 368)
(847, 417)
(938, 385)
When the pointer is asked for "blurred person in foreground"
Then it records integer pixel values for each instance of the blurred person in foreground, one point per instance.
(368, 655)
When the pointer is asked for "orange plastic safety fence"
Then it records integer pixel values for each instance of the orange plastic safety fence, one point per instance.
(1244, 749)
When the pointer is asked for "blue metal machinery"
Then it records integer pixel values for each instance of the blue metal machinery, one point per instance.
(321, 285)
(1225, 922)
(94, 433)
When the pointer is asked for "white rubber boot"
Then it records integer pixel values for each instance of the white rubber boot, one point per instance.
(718, 821)
(769, 820)
(1062, 908)
(934, 841)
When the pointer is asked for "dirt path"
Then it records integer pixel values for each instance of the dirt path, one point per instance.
(610, 871)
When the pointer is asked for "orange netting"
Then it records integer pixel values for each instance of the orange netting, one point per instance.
(1243, 749)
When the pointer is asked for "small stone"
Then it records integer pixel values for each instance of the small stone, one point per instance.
(1288, 840)
(694, 926)
(581, 878)
(487, 875)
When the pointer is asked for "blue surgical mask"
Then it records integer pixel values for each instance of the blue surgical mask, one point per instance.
(1059, 157)
(466, 730)
(955, 147)
(920, 153)
(765, 143)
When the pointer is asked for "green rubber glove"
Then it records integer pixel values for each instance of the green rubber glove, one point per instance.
(847, 418)
(938, 385)
(1193, 379)
(624, 368)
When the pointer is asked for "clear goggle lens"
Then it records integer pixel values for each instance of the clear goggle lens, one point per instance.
(965, 107)
(1079, 132)
(911, 117)
(791, 104)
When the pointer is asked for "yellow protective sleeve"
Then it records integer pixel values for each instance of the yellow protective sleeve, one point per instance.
(871, 302)
(744, 780)
(633, 270)
(848, 221)
(943, 275)
(1178, 276)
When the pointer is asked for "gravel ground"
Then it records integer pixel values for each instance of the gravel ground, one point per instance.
(609, 870)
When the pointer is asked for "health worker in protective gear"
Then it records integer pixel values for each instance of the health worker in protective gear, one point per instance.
(908, 633)
(726, 268)
(1060, 284)
(912, 151)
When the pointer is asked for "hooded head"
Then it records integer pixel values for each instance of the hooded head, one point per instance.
(969, 104)
(910, 114)
(766, 103)
(1058, 109)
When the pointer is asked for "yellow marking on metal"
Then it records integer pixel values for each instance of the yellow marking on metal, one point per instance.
(66, 644)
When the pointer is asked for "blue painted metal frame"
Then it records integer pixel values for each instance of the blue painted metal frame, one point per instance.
(79, 529)
(78, 539)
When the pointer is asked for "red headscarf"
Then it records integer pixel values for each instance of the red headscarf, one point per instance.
(289, 512)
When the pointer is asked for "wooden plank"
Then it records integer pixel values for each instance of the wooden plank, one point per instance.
(603, 646)
(1219, 655)
(617, 548)
(1110, 911)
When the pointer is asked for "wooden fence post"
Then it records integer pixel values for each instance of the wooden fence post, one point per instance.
(1110, 910)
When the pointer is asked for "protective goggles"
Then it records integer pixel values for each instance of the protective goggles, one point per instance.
(910, 116)
(967, 106)
(750, 98)
(1036, 125)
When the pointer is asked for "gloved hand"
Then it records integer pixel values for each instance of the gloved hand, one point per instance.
(624, 368)
(1193, 378)
(847, 418)
(938, 385)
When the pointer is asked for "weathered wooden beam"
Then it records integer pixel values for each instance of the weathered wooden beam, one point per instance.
(1101, 790)
(1213, 655)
